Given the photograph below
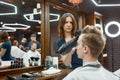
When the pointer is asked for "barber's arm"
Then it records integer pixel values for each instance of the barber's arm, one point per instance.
(66, 50)
(67, 57)
(2, 52)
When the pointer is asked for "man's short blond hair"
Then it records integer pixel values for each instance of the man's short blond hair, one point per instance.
(94, 39)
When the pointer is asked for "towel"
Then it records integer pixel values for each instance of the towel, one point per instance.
(51, 70)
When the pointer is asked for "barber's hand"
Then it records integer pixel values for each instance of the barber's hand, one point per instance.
(20, 46)
(72, 50)
(67, 57)
(70, 53)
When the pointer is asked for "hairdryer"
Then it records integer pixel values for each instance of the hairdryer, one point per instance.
(65, 48)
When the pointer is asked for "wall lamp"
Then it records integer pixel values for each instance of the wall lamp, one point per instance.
(11, 5)
(110, 34)
(10, 26)
(104, 5)
(7, 30)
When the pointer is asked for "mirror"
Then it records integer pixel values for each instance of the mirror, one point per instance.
(20, 19)
(53, 28)
(28, 7)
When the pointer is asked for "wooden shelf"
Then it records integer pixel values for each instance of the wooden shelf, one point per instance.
(19, 70)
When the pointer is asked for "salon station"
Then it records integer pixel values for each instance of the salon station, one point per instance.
(32, 27)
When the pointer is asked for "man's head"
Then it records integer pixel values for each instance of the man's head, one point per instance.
(91, 42)
(67, 21)
(33, 37)
(15, 43)
(33, 46)
(24, 40)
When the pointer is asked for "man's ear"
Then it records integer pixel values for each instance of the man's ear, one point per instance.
(85, 48)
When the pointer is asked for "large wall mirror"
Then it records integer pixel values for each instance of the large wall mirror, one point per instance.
(20, 18)
(57, 12)
(39, 22)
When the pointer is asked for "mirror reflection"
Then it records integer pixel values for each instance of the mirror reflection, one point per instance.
(20, 33)
(66, 30)
(54, 28)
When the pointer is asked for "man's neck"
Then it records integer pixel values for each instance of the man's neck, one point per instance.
(89, 59)
(32, 50)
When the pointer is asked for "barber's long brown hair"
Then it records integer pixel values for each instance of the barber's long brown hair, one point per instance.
(4, 35)
(62, 22)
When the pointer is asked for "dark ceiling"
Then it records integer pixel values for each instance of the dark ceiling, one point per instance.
(108, 1)
(109, 13)
(22, 9)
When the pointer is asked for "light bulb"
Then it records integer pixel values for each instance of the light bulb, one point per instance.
(38, 5)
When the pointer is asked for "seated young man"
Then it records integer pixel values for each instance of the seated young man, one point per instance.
(16, 52)
(90, 44)
(30, 56)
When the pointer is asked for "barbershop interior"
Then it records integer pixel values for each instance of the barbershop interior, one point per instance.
(59, 40)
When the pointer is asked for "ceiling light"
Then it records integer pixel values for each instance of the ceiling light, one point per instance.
(38, 5)
(23, 2)
(34, 10)
(105, 55)
(37, 11)
(30, 17)
(104, 5)
(39, 33)
(1, 22)
(110, 34)
(57, 17)
(11, 5)
(99, 1)
(75, 1)
(10, 26)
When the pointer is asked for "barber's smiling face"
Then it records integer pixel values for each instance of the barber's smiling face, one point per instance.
(79, 47)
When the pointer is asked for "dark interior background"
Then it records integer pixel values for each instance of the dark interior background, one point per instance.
(23, 7)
